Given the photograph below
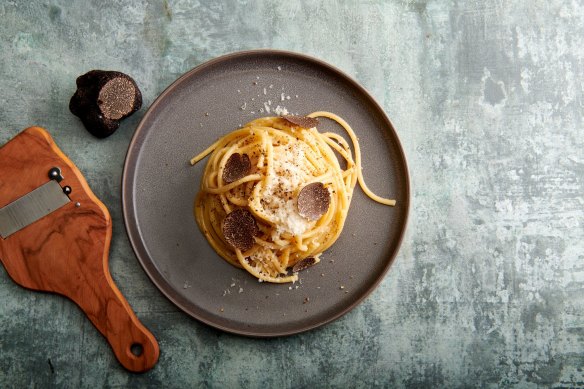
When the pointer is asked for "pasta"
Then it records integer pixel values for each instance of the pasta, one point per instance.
(274, 196)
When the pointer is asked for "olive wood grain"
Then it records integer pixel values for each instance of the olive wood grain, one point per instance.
(66, 252)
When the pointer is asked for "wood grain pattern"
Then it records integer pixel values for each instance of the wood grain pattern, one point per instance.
(67, 251)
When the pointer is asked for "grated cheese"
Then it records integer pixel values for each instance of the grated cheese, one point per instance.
(278, 197)
(280, 111)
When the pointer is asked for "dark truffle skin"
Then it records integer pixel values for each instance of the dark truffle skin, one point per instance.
(103, 98)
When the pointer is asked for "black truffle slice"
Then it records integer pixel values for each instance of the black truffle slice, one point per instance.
(103, 98)
(305, 263)
(313, 201)
(302, 121)
(239, 227)
(237, 167)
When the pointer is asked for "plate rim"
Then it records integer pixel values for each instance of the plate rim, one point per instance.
(129, 214)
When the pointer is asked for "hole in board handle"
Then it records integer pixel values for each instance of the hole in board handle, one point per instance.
(136, 349)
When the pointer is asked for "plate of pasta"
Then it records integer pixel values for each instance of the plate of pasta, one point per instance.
(265, 193)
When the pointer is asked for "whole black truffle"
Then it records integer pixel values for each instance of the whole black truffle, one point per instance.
(103, 98)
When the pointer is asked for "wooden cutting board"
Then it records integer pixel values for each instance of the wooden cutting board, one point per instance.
(66, 252)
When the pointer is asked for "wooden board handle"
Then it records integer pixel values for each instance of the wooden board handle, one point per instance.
(134, 346)
(67, 251)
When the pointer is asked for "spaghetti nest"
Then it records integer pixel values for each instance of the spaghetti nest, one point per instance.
(274, 195)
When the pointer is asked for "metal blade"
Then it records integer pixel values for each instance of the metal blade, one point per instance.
(31, 207)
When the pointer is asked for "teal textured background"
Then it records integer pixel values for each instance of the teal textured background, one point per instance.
(487, 97)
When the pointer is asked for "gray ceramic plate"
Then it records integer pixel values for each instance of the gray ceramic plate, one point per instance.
(159, 186)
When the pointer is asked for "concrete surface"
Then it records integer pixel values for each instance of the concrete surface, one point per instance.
(487, 96)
